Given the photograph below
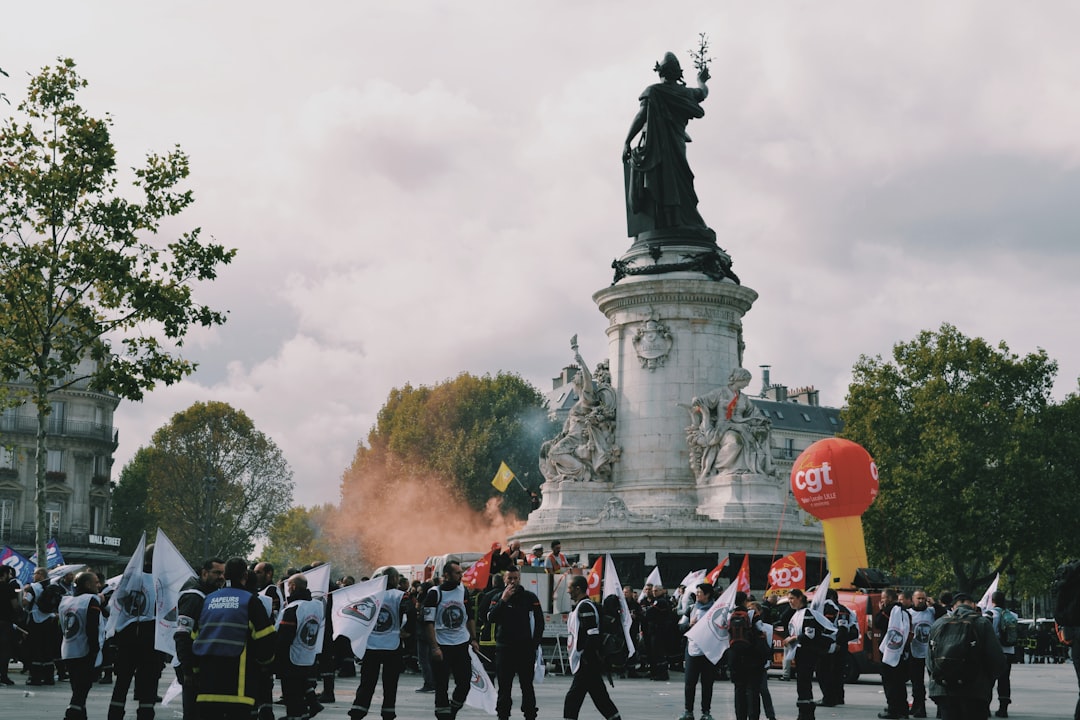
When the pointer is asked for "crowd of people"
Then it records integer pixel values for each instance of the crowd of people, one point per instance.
(238, 630)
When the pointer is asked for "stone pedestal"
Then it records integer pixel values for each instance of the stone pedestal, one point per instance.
(675, 318)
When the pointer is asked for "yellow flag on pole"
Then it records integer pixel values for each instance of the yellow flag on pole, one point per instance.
(503, 478)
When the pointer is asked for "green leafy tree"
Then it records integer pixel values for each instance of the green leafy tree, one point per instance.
(215, 481)
(438, 448)
(302, 535)
(86, 289)
(462, 430)
(954, 425)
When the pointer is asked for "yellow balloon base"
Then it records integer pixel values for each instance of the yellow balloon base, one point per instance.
(845, 550)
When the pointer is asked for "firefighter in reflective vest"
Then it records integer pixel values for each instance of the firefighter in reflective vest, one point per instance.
(231, 639)
(80, 620)
(302, 621)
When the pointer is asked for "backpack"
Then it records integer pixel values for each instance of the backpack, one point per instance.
(1008, 632)
(955, 655)
(1065, 589)
(48, 601)
(740, 629)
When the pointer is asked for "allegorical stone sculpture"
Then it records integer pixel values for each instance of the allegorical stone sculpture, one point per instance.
(727, 433)
(659, 183)
(585, 449)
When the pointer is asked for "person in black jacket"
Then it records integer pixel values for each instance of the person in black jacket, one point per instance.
(232, 638)
(188, 608)
(586, 661)
(519, 624)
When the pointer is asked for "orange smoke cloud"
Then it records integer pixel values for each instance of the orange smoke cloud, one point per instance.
(405, 516)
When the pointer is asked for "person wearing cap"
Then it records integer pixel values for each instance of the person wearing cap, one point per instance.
(970, 700)
(659, 183)
(536, 557)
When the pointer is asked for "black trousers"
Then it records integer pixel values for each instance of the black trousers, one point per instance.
(81, 675)
(456, 663)
(136, 658)
(805, 664)
(588, 680)
(830, 676)
(517, 661)
(294, 689)
(917, 673)
(954, 708)
(894, 683)
(389, 663)
(698, 669)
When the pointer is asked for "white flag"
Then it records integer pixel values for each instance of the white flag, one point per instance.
(892, 645)
(653, 579)
(817, 605)
(690, 583)
(318, 584)
(710, 633)
(612, 586)
(130, 582)
(482, 693)
(57, 573)
(171, 572)
(986, 603)
(355, 610)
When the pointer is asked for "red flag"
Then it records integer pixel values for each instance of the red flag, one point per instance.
(743, 578)
(594, 579)
(476, 577)
(714, 574)
(788, 573)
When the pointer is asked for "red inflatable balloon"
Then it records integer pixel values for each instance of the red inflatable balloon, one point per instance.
(834, 478)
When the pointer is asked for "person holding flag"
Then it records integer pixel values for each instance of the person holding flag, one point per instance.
(383, 654)
(188, 608)
(894, 625)
(297, 639)
(133, 626)
(519, 623)
(586, 663)
(80, 619)
(698, 667)
(451, 631)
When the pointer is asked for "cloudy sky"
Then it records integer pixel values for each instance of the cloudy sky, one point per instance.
(418, 189)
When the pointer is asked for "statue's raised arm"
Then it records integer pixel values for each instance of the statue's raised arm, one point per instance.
(659, 183)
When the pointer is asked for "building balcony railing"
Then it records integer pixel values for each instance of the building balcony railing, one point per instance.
(65, 541)
(26, 423)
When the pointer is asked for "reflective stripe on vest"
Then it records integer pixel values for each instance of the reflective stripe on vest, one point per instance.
(223, 623)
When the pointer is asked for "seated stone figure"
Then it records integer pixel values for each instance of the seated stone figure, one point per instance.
(728, 433)
(585, 449)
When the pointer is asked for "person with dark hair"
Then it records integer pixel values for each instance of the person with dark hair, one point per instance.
(80, 618)
(832, 663)
(383, 653)
(893, 625)
(451, 630)
(132, 620)
(997, 614)
(969, 700)
(9, 608)
(697, 665)
(586, 662)
(188, 608)
(423, 644)
(519, 622)
(231, 640)
(661, 625)
(297, 636)
(800, 643)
